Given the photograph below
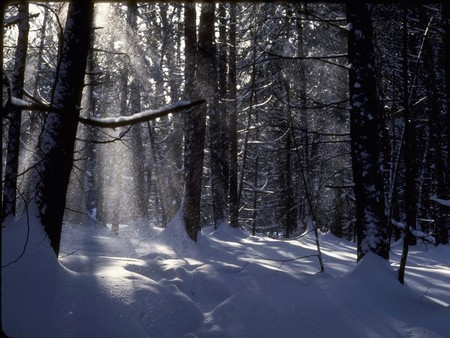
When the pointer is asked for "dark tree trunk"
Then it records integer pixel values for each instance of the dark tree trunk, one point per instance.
(2, 18)
(290, 211)
(233, 142)
(207, 70)
(446, 20)
(222, 58)
(409, 157)
(58, 139)
(17, 83)
(436, 114)
(195, 124)
(372, 234)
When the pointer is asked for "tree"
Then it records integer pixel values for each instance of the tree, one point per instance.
(195, 124)
(58, 139)
(409, 155)
(371, 228)
(446, 22)
(435, 111)
(232, 124)
(207, 70)
(17, 83)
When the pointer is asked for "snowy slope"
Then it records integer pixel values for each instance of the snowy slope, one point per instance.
(155, 283)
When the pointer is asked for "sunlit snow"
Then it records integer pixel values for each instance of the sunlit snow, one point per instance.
(155, 283)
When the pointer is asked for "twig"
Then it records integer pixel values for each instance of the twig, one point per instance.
(69, 254)
(426, 291)
(26, 240)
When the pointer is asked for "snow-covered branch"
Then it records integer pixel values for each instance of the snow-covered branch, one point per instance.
(440, 201)
(24, 105)
(109, 122)
(147, 115)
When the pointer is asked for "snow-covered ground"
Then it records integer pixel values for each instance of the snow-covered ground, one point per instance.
(150, 282)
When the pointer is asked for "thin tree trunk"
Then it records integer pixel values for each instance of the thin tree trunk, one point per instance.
(15, 119)
(58, 139)
(233, 142)
(290, 213)
(409, 157)
(222, 94)
(2, 18)
(436, 115)
(446, 21)
(159, 184)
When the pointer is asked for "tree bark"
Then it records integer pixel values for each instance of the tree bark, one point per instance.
(372, 234)
(222, 59)
(137, 166)
(2, 18)
(207, 70)
(436, 114)
(58, 139)
(15, 114)
(233, 142)
(195, 124)
(409, 157)
(446, 21)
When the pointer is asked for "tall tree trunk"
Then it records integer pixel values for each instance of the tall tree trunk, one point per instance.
(446, 21)
(372, 234)
(207, 70)
(195, 124)
(17, 82)
(232, 124)
(409, 157)
(137, 166)
(290, 213)
(222, 58)
(92, 149)
(160, 193)
(58, 139)
(436, 114)
(2, 19)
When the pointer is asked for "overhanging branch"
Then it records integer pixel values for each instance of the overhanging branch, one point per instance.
(108, 122)
(147, 115)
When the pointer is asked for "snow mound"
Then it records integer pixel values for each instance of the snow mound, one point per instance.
(158, 283)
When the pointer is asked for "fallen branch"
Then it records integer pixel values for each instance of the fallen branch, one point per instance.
(286, 260)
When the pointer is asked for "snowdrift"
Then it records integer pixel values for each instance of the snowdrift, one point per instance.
(156, 283)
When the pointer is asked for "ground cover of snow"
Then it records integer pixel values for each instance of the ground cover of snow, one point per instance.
(150, 282)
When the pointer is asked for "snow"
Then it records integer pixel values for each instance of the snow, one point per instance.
(146, 115)
(440, 201)
(150, 282)
(348, 27)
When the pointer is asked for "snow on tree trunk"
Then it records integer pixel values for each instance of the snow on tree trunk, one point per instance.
(58, 139)
(372, 234)
(12, 158)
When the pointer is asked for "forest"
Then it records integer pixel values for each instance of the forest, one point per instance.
(282, 120)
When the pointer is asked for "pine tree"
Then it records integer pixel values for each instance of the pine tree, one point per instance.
(371, 228)
(58, 139)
